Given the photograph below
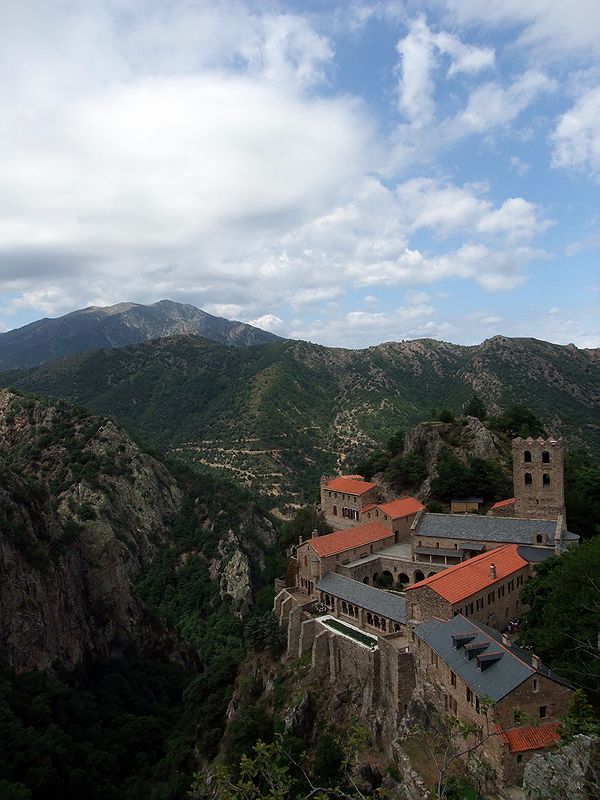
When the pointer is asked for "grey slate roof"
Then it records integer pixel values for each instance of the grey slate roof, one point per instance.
(379, 602)
(512, 530)
(535, 554)
(498, 679)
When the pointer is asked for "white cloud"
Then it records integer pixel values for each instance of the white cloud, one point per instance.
(549, 28)
(519, 166)
(492, 104)
(227, 310)
(419, 51)
(576, 137)
(268, 322)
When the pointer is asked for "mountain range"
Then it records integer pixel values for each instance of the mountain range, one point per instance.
(276, 417)
(117, 326)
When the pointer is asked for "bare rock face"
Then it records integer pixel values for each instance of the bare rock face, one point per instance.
(428, 439)
(570, 773)
(82, 508)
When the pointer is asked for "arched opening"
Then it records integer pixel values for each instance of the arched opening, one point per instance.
(539, 538)
(366, 579)
(396, 628)
(527, 457)
(386, 579)
(369, 619)
(545, 479)
(528, 479)
(335, 511)
(395, 537)
(545, 457)
(375, 576)
(344, 607)
(431, 574)
(418, 576)
(403, 579)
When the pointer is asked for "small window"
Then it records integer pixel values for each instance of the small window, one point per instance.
(469, 695)
(539, 538)
(545, 479)
(455, 546)
(420, 543)
(453, 678)
(519, 758)
(335, 511)
(306, 561)
(545, 457)
(437, 545)
(535, 685)
(528, 479)
(543, 712)
(527, 457)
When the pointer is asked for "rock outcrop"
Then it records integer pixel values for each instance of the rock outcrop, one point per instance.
(570, 773)
(82, 509)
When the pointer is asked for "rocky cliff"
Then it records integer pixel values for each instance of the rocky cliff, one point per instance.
(84, 511)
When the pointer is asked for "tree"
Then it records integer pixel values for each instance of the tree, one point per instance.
(519, 421)
(271, 772)
(580, 718)
(446, 415)
(450, 740)
(561, 624)
(476, 408)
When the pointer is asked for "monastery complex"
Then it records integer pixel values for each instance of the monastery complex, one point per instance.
(423, 604)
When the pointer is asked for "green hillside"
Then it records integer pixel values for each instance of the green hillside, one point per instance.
(277, 416)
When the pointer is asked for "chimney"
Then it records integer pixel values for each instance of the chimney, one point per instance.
(535, 661)
(314, 534)
(492, 570)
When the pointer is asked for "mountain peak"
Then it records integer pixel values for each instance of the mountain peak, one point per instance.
(119, 325)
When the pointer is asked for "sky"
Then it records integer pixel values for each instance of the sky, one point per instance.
(345, 172)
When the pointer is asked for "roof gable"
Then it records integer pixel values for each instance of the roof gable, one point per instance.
(349, 485)
(400, 508)
(348, 539)
(469, 577)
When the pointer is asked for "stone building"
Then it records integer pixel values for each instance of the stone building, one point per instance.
(472, 672)
(343, 498)
(538, 476)
(485, 588)
(322, 554)
(503, 508)
(397, 515)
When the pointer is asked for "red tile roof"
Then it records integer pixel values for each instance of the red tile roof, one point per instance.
(339, 541)
(401, 508)
(502, 503)
(469, 577)
(521, 739)
(349, 485)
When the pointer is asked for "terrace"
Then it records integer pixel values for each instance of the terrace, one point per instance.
(349, 632)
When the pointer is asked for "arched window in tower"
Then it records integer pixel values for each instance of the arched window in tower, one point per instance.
(527, 456)
(539, 538)
(545, 479)
(528, 479)
(545, 457)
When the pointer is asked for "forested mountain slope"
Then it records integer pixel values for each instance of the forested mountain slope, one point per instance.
(117, 326)
(275, 417)
(124, 588)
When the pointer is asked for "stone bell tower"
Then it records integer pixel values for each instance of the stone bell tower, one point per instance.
(539, 478)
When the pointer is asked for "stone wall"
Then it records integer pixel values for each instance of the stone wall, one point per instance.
(539, 484)
(333, 502)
